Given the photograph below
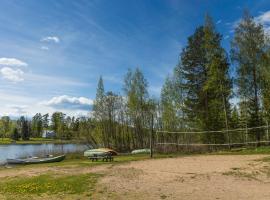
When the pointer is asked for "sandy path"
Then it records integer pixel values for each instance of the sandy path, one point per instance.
(195, 177)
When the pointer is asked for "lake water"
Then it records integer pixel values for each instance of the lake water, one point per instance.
(25, 150)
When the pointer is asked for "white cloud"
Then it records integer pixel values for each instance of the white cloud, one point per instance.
(12, 62)
(50, 39)
(226, 37)
(15, 104)
(44, 48)
(113, 79)
(155, 90)
(264, 19)
(219, 21)
(55, 80)
(17, 110)
(69, 103)
(14, 75)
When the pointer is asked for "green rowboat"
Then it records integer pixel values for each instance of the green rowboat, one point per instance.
(36, 160)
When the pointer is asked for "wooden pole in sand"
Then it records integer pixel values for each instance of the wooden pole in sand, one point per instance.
(151, 136)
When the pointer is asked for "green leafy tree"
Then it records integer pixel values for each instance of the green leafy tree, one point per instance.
(37, 125)
(170, 120)
(58, 124)
(135, 89)
(15, 134)
(248, 51)
(6, 126)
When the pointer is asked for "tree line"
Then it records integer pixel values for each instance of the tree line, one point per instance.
(209, 90)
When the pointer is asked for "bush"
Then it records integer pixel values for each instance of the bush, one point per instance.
(15, 135)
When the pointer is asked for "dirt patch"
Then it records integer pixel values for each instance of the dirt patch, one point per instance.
(204, 177)
(196, 177)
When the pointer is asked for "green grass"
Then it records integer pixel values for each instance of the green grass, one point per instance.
(5, 141)
(51, 184)
(246, 151)
(75, 184)
(240, 174)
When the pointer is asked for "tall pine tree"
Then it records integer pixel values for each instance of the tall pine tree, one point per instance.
(206, 84)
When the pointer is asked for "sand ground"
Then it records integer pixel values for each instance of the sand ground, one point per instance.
(225, 177)
(195, 177)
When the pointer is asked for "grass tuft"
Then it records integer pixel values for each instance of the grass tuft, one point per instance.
(74, 184)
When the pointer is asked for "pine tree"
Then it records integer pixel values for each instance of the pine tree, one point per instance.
(236, 136)
(99, 101)
(194, 73)
(15, 134)
(99, 113)
(218, 84)
(265, 71)
(25, 130)
(206, 83)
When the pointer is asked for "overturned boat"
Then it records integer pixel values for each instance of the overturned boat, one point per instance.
(99, 152)
(36, 160)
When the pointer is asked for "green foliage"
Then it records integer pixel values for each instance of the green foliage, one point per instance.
(205, 84)
(5, 126)
(59, 124)
(24, 128)
(37, 125)
(196, 96)
(74, 184)
(15, 135)
(249, 52)
(139, 106)
(171, 105)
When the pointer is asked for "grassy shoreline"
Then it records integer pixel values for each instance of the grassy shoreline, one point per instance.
(7, 141)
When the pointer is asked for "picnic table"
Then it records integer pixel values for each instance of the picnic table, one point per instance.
(107, 157)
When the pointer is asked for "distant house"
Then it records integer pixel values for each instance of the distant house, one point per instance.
(48, 134)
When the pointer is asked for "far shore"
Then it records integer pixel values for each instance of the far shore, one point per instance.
(7, 141)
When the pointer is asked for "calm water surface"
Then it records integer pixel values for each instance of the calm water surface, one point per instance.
(25, 150)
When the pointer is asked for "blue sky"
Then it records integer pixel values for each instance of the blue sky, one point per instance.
(52, 52)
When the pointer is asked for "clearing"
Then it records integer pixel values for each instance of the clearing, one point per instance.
(195, 177)
(190, 177)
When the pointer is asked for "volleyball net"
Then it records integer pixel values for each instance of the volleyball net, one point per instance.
(189, 140)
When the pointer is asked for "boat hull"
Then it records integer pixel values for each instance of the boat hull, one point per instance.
(35, 160)
(99, 152)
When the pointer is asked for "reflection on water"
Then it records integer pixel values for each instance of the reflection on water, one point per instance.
(25, 150)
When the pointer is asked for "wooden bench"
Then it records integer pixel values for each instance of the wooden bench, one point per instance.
(104, 157)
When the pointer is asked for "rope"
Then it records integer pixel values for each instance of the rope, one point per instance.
(200, 144)
(220, 131)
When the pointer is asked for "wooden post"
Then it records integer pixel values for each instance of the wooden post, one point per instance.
(267, 132)
(151, 136)
(226, 117)
(186, 142)
(246, 135)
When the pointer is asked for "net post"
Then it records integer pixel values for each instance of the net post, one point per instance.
(151, 136)
(267, 132)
